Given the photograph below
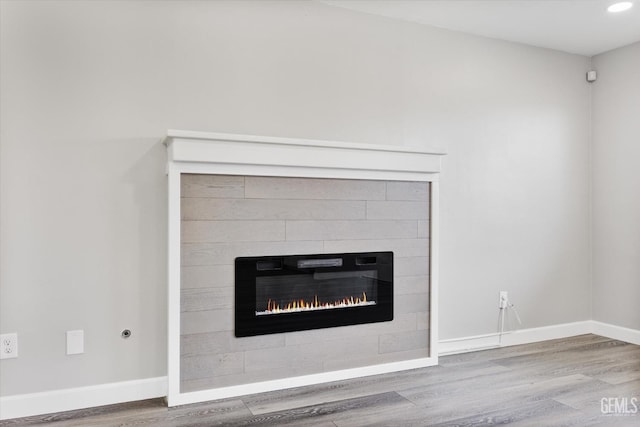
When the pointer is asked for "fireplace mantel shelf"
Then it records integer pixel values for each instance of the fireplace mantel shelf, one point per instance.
(199, 152)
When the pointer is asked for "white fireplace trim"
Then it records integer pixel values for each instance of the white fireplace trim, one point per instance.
(200, 152)
(227, 154)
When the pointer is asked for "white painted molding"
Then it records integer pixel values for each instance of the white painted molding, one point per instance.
(545, 333)
(305, 380)
(25, 405)
(468, 344)
(527, 336)
(434, 269)
(522, 336)
(201, 152)
(216, 153)
(173, 288)
(616, 332)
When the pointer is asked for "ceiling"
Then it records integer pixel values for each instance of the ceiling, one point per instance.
(575, 26)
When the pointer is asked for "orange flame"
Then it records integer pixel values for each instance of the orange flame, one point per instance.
(301, 305)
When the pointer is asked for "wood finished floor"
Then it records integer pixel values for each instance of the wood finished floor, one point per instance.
(553, 383)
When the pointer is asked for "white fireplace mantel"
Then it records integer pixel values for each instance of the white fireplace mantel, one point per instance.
(228, 154)
(202, 152)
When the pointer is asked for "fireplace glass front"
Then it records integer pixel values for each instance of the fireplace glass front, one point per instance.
(291, 293)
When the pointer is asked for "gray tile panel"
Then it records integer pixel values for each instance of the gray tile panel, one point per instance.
(225, 217)
(313, 189)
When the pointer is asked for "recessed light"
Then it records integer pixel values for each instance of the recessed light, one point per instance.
(620, 6)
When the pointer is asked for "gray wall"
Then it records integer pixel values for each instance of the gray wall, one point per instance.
(616, 187)
(224, 217)
(88, 89)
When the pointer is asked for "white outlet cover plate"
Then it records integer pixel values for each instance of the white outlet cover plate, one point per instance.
(11, 341)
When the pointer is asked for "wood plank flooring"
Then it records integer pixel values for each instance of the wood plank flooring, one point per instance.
(553, 383)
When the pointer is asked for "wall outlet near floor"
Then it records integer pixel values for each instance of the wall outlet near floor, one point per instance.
(504, 299)
(8, 346)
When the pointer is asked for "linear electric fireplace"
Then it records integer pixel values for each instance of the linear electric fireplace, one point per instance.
(292, 293)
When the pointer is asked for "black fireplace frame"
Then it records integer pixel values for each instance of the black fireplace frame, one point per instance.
(248, 269)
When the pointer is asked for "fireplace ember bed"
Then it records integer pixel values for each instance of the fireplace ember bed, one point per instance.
(276, 294)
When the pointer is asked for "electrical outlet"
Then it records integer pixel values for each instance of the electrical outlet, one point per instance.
(8, 346)
(504, 299)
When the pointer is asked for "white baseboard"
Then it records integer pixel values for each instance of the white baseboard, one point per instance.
(467, 344)
(616, 332)
(526, 336)
(25, 405)
(522, 336)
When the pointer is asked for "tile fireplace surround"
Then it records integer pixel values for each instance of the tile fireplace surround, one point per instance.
(236, 195)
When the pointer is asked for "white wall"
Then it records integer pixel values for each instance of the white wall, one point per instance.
(89, 88)
(616, 187)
